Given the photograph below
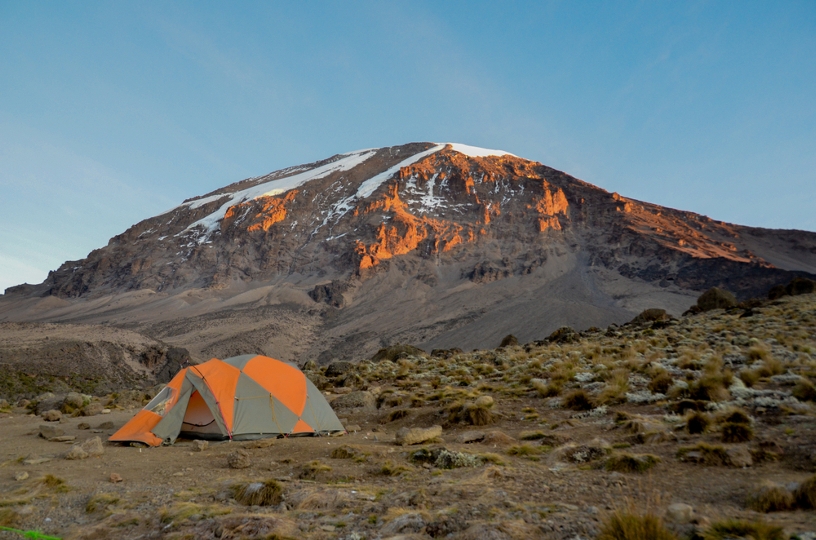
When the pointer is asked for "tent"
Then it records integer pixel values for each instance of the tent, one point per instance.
(243, 397)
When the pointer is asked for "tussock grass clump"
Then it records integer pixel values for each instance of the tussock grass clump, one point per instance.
(8, 517)
(476, 412)
(54, 482)
(524, 450)
(736, 416)
(267, 493)
(101, 501)
(804, 391)
(704, 453)
(623, 525)
(551, 389)
(758, 352)
(661, 382)
(313, 468)
(578, 400)
(806, 494)
(393, 416)
(749, 377)
(771, 367)
(733, 432)
(771, 497)
(735, 528)
(185, 510)
(616, 388)
(697, 423)
(630, 463)
(394, 469)
(532, 435)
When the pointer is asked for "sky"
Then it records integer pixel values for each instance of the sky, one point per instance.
(113, 112)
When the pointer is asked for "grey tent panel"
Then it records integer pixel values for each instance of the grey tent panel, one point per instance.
(318, 413)
(257, 412)
(239, 361)
(170, 426)
(209, 399)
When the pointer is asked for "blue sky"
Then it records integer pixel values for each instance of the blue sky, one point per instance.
(111, 112)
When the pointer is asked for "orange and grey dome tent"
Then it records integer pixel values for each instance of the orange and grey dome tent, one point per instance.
(243, 397)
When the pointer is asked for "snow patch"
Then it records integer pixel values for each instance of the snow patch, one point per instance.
(475, 151)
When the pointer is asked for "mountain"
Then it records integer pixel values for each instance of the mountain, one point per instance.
(438, 245)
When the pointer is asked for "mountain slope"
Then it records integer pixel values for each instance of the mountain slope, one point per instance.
(437, 244)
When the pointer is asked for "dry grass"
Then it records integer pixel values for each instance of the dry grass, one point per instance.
(735, 528)
(524, 450)
(733, 432)
(394, 469)
(624, 525)
(771, 497)
(709, 454)
(804, 391)
(551, 389)
(578, 400)
(806, 494)
(630, 463)
(185, 510)
(616, 388)
(8, 517)
(661, 382)
(267, 493)
(697, 423)
(101, 501)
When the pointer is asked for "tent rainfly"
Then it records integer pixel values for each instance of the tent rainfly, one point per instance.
(242, 398)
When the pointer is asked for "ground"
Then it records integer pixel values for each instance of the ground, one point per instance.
(566, 434)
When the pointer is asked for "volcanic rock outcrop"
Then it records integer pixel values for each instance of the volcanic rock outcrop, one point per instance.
(442, 245)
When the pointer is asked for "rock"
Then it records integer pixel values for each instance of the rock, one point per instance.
(338, 368)
(115, 478)
(200, 445)
(483, 402)
(52, 416)
(23, 403)
(565, 334)
(470, 437)
(105, 425)
(406, 523)
(407, 436)
(93, 409)
(353, 428)
(20, 476)
(238, 460)
(83, 425)
(509, 341)
(93, 447)
(680, 513)
(359, 399)
(63, 438)
(800, 286)
(72, 402)
(651, 315)
(76, 452)
(35, 460)
(46, 402)
(4, 404)
(739, 456)
(715, 298)
(49, 431)
(498, 438)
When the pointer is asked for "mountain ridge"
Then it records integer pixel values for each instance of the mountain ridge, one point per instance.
(422, 242)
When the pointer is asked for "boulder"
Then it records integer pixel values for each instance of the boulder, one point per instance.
(47, 402)
(4, 404)
(407, 436)
(338, 368)
(49, 432)
(105, 425)
(468, 437)
(680, 513)
(651, 315)
(715, 298)
(355, 400)
(83, 425)
(498, 438)
(76, 452)
(406, 523)
(72, 402)
(93, 447)
(239, 459)
(92, 409)
(52, 415)
(20, 476)
(739, 456)
(565, 334)
(509, 341)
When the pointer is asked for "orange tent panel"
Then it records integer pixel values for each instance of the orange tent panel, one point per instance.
(285, 382)
(138, 429)
(302, 427)
(221, 378)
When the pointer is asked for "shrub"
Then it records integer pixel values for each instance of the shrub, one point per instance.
(578, 400)
(756, 530)
(806, 494)
(631, 463)
(623, 525)
(771, 498)
(735, 433)
(661, 383)
(267, 493)
(697, 423)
